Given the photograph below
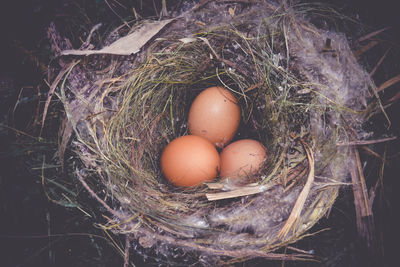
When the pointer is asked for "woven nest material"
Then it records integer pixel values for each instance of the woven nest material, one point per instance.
(300, 95)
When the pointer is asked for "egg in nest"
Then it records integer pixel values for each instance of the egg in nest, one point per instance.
(190, 160)
(215, 115)
(242, 158)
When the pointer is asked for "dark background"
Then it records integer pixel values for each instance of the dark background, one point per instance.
(27, 216)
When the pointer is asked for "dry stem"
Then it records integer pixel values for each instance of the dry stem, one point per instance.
(292, 221)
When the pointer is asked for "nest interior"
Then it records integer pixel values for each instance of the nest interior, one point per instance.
(301, 92)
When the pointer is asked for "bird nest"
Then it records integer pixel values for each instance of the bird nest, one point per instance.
(301, 93)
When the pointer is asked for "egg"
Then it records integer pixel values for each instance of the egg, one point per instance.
(242, 158)
(190, 160)
(214, 115)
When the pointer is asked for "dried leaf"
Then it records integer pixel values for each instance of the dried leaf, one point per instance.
(127, 45)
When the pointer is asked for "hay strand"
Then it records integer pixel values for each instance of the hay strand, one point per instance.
(53, 87)
(364, 214)
(379, 63)
(239, 192)
(372, 34)
(291, 222)
(367, 142)
(392, 81)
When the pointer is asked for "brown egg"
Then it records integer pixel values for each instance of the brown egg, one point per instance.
(215, 115)
(190, 160)
(242, 158)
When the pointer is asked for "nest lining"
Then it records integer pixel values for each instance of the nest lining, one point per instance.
(288, 89)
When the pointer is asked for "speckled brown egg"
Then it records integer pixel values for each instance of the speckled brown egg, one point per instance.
(190, 160)
(215, 115)
(242, 158)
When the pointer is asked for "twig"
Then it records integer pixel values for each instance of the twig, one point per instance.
(367, 142)
(254, 86)
(223, 60)
(116, 14)
(86, 44)
(365, 48)
(233, 66)
(379, 181)
(379, 63)
(381, 107)
(371, 152)
(364, 214)
(389, 83)
(367, 211)
(126, 253)
(95, 196)
(394, 98)
(372, 34)
(21, 132)
(200, 5)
